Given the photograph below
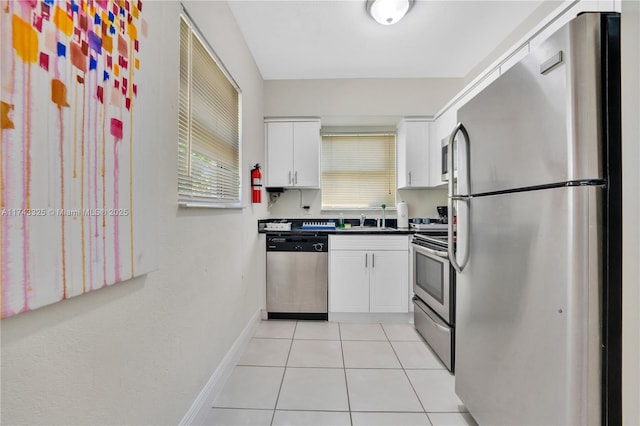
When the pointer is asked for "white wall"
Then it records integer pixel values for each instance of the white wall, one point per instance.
(631, 212)
(420, 203)
(359, 99)
(546, 8)
(139, 352)
(369, 103)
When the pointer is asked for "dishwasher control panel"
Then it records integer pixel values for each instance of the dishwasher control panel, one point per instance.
(298, 243)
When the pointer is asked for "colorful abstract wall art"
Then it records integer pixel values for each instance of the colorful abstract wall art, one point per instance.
(69, 91)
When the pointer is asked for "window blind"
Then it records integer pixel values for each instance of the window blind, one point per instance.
(209, 126)
(358, 171)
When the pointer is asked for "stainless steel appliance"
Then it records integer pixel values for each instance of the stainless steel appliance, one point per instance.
(297, 277)
(444, 159)
(539, 241)
(434, 288)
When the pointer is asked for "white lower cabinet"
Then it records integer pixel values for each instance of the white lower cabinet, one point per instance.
(389, 280)
(368, 273)
(349, 281)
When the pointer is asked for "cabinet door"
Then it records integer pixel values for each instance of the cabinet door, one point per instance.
(401, 160)
(435, 152)
(417, 157)
(389, 281)
(349, 281)
(279, 170)
(306, 154)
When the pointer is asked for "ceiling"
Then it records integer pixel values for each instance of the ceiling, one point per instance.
(326, 39)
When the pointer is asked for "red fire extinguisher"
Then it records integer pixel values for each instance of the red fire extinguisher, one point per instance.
(256, 185)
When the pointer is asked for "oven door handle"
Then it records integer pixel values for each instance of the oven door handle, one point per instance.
(438, 253)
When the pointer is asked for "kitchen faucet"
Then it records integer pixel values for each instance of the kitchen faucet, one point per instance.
(362, 219)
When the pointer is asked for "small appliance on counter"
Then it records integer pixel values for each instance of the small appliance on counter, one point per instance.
(443, 212)
(278, 226)
(403, 215)
(431, 223)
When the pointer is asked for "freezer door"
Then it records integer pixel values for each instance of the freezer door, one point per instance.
(528, 314)
(539, 122)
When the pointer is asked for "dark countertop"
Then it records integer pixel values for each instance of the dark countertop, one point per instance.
(369, 228)
(372, 231)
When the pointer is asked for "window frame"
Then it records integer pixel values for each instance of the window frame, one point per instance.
(185, 200)
(372, 133)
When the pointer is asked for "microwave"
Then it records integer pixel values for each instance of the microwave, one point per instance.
(444, 167)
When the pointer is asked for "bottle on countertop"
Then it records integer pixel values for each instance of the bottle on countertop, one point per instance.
(341, 221)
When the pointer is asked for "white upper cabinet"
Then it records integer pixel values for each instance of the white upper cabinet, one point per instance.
(279, 149)
(293, 154)
(413, 154)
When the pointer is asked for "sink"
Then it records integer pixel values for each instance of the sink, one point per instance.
(367, 229)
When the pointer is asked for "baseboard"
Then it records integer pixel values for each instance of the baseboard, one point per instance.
(221, 374)
(371, 317)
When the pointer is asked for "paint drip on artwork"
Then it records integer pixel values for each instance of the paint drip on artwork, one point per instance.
(68, 98)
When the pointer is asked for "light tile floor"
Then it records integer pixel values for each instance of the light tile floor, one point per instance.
(331, 374)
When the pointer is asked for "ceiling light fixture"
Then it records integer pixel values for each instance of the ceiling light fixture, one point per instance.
(387, 12)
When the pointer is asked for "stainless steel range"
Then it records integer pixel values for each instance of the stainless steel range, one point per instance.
(434, 300)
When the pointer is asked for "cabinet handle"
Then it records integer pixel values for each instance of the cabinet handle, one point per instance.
(409, 178)
(289, 177)
(295, 178)
(365, 259)
(373, 260)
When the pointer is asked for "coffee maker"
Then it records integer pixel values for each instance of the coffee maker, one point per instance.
(443, 212)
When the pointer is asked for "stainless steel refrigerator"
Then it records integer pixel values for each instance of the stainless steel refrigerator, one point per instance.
(538, 205)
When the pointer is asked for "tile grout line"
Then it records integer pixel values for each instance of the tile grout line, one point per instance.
(350, 412)
(284, 372)
(273, 338)
(406, 375)
(344, 370)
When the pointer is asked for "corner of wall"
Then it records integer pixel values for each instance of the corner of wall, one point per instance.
(630, 36)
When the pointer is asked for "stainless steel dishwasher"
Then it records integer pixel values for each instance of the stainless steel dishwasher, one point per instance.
(297, 277)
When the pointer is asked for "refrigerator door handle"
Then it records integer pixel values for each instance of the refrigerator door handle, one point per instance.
(458, 266)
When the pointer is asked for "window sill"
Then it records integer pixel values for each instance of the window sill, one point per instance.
(209, 205)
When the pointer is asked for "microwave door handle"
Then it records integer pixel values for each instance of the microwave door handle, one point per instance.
(458, 266)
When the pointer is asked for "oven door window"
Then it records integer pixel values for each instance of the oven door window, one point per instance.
(430, 276)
